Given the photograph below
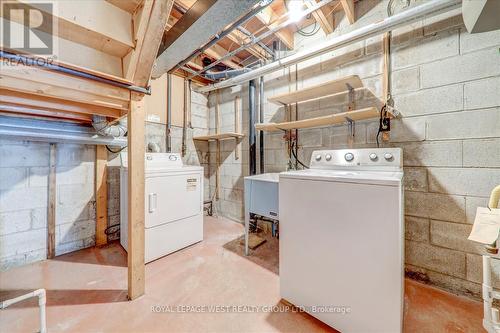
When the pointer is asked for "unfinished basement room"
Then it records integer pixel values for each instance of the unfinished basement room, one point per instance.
(298, 166)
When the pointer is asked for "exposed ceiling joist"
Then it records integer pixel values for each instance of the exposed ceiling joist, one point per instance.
(126, 5)
(348, 6)
(184, 22)
(152, 20)
(109, 32)
(325, 22)
(266, 17)
(240, 38)
(210, 23)
(217, 51)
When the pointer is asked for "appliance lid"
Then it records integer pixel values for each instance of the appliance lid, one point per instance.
(160, 162)
(265, 177)
(392, 178)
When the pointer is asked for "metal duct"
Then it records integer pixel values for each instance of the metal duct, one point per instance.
(102, 127)
(54, 131)
(411, 15)
(226, 74)
(251, 129)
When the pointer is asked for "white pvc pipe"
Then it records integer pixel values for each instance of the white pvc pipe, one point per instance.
(42, 300)
(411, 15)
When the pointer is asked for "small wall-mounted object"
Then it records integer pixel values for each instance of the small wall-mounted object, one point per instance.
(481, 15)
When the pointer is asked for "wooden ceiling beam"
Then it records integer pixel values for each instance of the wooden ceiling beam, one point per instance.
(129, 6)
(109, 32)
(217, 51)
(266, 17)
(151, 22)
(325, 22)
(240, 38)
(348, 6)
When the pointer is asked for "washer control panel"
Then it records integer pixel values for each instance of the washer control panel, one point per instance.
(366, 158)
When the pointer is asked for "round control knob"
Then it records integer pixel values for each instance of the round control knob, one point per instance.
(318, 157)
(388, 156)
(328, 157)
(373, 156)
(349, 157)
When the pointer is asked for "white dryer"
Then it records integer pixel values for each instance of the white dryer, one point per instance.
(173, 204)
(342, 239)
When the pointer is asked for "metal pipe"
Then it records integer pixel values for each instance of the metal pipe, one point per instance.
(168, 141)
(264, 36)
(54, 131)
(251, 129)
(42, 300)
(431, 8)
(226, 74)
(261, 119)
(65, 70)
(252, 37)
(245, 18)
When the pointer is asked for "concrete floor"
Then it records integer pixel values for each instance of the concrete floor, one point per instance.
(87, 292)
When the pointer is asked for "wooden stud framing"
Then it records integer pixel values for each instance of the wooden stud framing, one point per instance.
(136, 151)
(348, 6)
(151, 25)
(217, 51)
(127, 5)
(285, 35)
(326, 23)
(77, 21)
(52, 199)
(101, 195)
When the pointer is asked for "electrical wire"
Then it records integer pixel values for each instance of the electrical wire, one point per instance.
(296, 158)
(383, 114)
(115, 151)
(314, 31)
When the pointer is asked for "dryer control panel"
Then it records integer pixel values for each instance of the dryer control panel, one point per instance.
(156, 160)
(383, 159)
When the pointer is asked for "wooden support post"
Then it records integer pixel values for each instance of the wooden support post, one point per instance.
(52, 199)
(101, 195)
(348, 6)
(136, 151)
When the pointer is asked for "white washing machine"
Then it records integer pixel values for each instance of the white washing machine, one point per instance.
(173, 204)
(342, 239)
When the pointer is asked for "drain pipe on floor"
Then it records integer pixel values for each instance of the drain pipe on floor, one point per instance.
(42, 300)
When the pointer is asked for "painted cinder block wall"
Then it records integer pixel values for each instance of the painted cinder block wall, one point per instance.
(24, 169)
(446, 84)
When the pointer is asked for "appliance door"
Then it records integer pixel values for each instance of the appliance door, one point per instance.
(341, 246)
(172, 196)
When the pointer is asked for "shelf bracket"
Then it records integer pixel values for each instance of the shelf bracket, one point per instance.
(352, 129)
(352, 104)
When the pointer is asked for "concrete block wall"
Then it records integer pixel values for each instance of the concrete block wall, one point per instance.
(24, 169)
(446, 85)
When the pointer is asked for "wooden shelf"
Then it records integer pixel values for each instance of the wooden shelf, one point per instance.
(338, 118)
(221, 136)
(338, 86)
